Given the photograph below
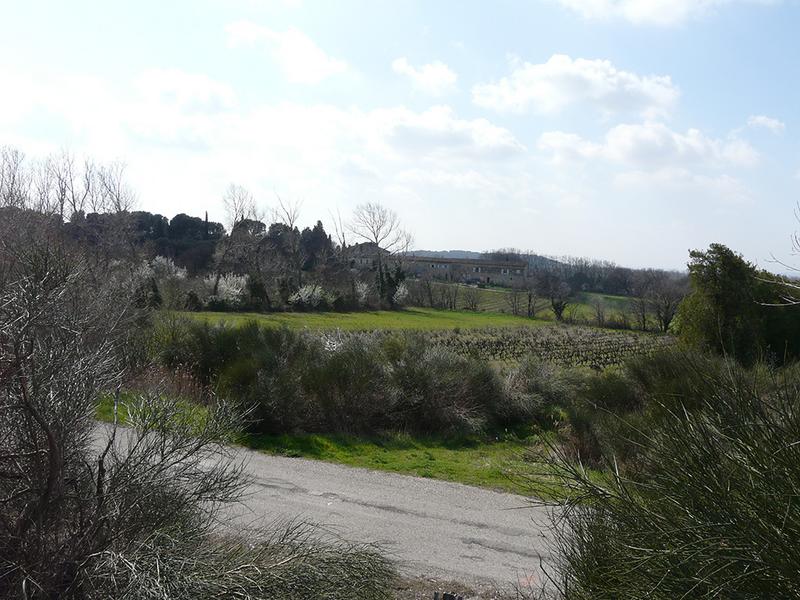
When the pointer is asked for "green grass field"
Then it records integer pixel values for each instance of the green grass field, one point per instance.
(412, 318)
(496, 300)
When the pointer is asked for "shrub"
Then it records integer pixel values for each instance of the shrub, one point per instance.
(610, 412)
(535, 390)
(270, 379)
(349, 385)
(712, 512)
(438, 391)
(336, 382)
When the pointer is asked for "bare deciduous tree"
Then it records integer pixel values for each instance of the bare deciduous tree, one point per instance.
(664, 296)
(472, 298)
(599, 307)
(448, 296)
(239, 204)
(378, 225)
(14, 178)
(240, 207)
(531, 297)
(557, 292)
(76, 187)
(115, 195)
(288, 212)
(514, 300)
(56, 186)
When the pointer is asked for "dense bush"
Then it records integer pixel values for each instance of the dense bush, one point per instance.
(712, 511)
(536, 389)
(609, 413)
(374, 382)
(299, 381)
(438, 391)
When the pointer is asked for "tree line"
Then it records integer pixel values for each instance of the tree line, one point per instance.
(256, 260)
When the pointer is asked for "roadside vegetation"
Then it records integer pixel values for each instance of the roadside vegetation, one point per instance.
(490, 461)
(475, 460)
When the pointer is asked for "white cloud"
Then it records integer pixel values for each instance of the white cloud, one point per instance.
(301, 60)
(681, 181)
(650, 12)
(435, 78)
(185, 137)
(774, 125)
(568, 147)
(188, 92)
(651, 145)
(561, 82)
(438, 131)
(462, 180)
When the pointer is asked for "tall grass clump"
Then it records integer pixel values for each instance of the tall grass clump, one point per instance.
(713, 508)
(288, 561)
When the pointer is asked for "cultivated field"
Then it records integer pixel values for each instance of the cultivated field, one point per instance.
(563, 345)
(499, 338)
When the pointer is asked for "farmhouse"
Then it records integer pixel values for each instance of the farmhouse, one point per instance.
(467, 270)
(365, 255)
(506, 272)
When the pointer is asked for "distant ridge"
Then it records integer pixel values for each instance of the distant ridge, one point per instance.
(448, 254)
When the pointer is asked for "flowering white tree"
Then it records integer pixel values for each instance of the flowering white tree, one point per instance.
(310, 296)
(400, 294)
(363, 291)
(230, 288)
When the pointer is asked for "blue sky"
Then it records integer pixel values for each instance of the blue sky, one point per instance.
(628, 130)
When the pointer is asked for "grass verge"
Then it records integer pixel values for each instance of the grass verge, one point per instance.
(489, 463)
(493, 463)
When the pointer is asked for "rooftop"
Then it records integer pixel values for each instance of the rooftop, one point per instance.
(516, 264)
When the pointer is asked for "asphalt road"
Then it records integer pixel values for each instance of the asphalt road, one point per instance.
(431, 528)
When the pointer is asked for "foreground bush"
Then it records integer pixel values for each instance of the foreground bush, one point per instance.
(610, 412)
(712, 511)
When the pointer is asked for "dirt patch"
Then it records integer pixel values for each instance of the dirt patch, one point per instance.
(423, 588)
